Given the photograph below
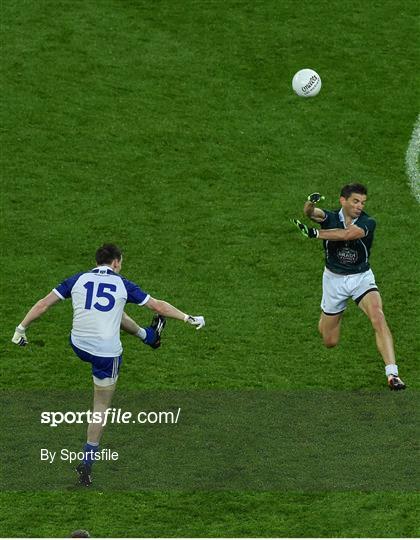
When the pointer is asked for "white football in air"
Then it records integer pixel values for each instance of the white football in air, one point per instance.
(306, 83)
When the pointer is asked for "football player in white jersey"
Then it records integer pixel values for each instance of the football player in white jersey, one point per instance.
(99, 297)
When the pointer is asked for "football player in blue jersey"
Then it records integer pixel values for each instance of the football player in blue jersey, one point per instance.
(347, 235)
(99, 297)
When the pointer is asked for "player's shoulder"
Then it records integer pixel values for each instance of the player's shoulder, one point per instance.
(74, 277)
(366, 218)
(64, 289)
(135, 294)
(123, 278)
(127, 282)
(333, 213)
(367, 223)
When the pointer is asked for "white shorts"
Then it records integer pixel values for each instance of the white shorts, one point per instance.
(338, 288)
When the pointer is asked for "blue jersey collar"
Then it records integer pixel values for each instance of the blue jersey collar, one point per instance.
(102, 270)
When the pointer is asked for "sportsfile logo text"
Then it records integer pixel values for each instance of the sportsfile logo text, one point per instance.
(69, 455)
(109, 416)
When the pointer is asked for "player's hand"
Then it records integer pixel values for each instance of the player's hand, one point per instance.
(314, 198)
(197, 321)
(19, 337)
(308, 232)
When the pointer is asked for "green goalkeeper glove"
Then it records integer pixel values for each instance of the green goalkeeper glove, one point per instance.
(308, 232)
(315, 198)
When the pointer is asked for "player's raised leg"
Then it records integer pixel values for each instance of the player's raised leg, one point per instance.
(329, 328)
(151, 335)
(371, 305)
(131, 327)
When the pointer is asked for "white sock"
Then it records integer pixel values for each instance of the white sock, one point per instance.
(92, 443)
(141, 334)
(391, 369)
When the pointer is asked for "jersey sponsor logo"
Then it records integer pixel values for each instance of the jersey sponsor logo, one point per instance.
(347, 256)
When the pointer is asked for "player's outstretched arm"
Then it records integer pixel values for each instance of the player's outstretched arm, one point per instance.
(19, 337)
(311, 211)
(168, 310)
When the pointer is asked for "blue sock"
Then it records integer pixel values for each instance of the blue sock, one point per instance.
(88, 458)
(150, 336)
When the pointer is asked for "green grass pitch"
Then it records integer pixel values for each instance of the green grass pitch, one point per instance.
(171, 128)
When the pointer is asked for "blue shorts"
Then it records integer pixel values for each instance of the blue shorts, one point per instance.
(102, 367)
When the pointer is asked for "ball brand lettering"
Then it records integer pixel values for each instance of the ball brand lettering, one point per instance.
(311, 82)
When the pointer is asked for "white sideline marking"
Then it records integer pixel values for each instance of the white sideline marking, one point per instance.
(411, 160)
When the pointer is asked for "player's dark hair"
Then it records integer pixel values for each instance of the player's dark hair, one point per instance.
(107, 253)
(80, 534)
(348, 189)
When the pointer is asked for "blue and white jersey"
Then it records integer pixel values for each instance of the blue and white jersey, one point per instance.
(99, 297)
